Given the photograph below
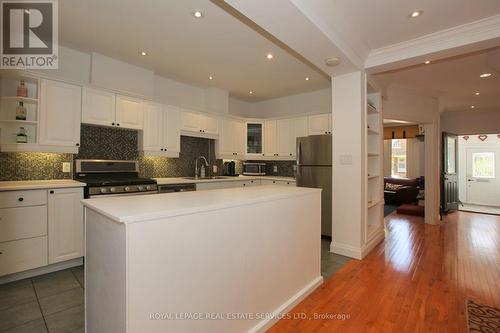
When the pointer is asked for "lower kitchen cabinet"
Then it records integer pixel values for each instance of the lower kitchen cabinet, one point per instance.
(65, 221)
(40, 227)
(226, 184)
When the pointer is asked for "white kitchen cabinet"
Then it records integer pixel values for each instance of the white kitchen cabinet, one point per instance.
(231, 143)
(65, 224)
(200, 125)
(213, 185)
(278, 182)
(161, 134)
(98, 107)
(285, 135)
(129, 113)
(320, 124)
(270, 138)
(60, 114)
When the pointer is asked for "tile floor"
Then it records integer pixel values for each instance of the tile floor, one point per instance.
(50, 303)
(330, 262)
(53, 303)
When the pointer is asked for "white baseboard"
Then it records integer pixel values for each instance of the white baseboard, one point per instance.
(346, 250)
(41, 270)
(376, 239)
(264, 325)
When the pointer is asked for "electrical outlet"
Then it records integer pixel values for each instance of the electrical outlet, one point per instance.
(214, 169)
(66, 167)
(275, 168)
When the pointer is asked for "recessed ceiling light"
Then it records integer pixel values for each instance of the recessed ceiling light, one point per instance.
(250, 92)
(269, 56)
(427, 62)
(416, 13)
(210, 77)
(197, 14)
(307, 78)
(472, 106)
(485, 75)
(477, 93)
(143, 53)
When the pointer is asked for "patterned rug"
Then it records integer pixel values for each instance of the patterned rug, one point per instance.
(482, 318)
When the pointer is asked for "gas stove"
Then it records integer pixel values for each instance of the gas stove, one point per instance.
(112, 178)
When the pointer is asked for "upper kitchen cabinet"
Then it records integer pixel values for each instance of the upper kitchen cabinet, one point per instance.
(60, 112)
(161, 134)
(231, 143)
(320, 124)
(254, 140)
(129, 113)
(281, 135)
(108, 109)
(198, 124)
(270, 138)
(98, 107)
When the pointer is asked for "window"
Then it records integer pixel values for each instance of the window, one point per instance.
(398, 158)
(483, 165)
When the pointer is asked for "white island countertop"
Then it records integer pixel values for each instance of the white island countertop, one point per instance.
(38, 184)
(131, 209)
(187, 180)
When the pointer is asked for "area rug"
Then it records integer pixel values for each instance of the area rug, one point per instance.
(388, 208)
(414, 210)
(482, 318)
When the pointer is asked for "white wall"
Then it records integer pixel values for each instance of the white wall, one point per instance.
(314, 102)
(470, 122)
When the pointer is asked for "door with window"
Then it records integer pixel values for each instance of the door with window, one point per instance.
(449, 177)
(483, 171)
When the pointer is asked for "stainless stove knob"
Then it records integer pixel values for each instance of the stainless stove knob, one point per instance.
(127, 188)
(103, 190)
(140, 188)
(112, 189)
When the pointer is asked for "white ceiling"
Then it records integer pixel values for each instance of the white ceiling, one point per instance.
(454, 81)
(187, 49)
(382, 23)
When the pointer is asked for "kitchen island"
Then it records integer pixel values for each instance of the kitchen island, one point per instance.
(228, 260)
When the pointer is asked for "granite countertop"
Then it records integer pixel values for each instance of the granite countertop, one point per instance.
(141, 208)
(38, 184)
(184, 180)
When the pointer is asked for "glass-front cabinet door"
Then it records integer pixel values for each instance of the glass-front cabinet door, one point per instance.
(254, 138)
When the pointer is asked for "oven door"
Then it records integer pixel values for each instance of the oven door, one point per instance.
(121, 194)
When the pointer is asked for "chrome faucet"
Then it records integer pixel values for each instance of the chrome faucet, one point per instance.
(196, 170)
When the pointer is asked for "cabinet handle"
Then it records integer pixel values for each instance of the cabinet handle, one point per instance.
(117, 124)
(20, 199)
(165, 149)
(51, 191)
(290, 154)
(78, 145)
(112, 124)
(161, 149)
(244, 184)
(1, 252)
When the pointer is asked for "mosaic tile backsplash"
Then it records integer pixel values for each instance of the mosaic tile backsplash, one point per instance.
(33, 166)
(120, 144)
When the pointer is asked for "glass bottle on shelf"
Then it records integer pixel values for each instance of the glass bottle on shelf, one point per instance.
(20, 112)
(22, 136)
(22, 90)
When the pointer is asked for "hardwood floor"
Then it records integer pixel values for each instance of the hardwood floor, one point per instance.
(416, 281)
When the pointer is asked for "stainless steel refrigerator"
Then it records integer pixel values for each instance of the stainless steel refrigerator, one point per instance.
(314, 169)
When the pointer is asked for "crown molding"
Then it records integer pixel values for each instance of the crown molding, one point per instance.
(459, 36)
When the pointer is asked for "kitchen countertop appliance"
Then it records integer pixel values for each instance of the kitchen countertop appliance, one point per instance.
(229, 169)
(314, 169)
(112, 178)
(254, 169)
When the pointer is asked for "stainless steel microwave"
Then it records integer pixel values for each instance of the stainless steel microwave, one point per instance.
(254, 169)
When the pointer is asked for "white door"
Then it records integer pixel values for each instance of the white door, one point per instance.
(98, 107)
(284, 132)
(65, 222)
(191, 121)
(483, 176)
(129, 113)
(171, 129)
(153, 127)
(270, 138)
(320, 124)
(60, 114)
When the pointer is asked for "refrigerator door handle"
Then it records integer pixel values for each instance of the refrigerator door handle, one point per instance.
(299, 152)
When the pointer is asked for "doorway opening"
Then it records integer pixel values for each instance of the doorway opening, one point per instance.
(404, 168)
(479, 173)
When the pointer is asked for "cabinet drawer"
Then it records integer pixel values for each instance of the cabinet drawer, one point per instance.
(20, 255)
(23, 222)
(11, 199)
